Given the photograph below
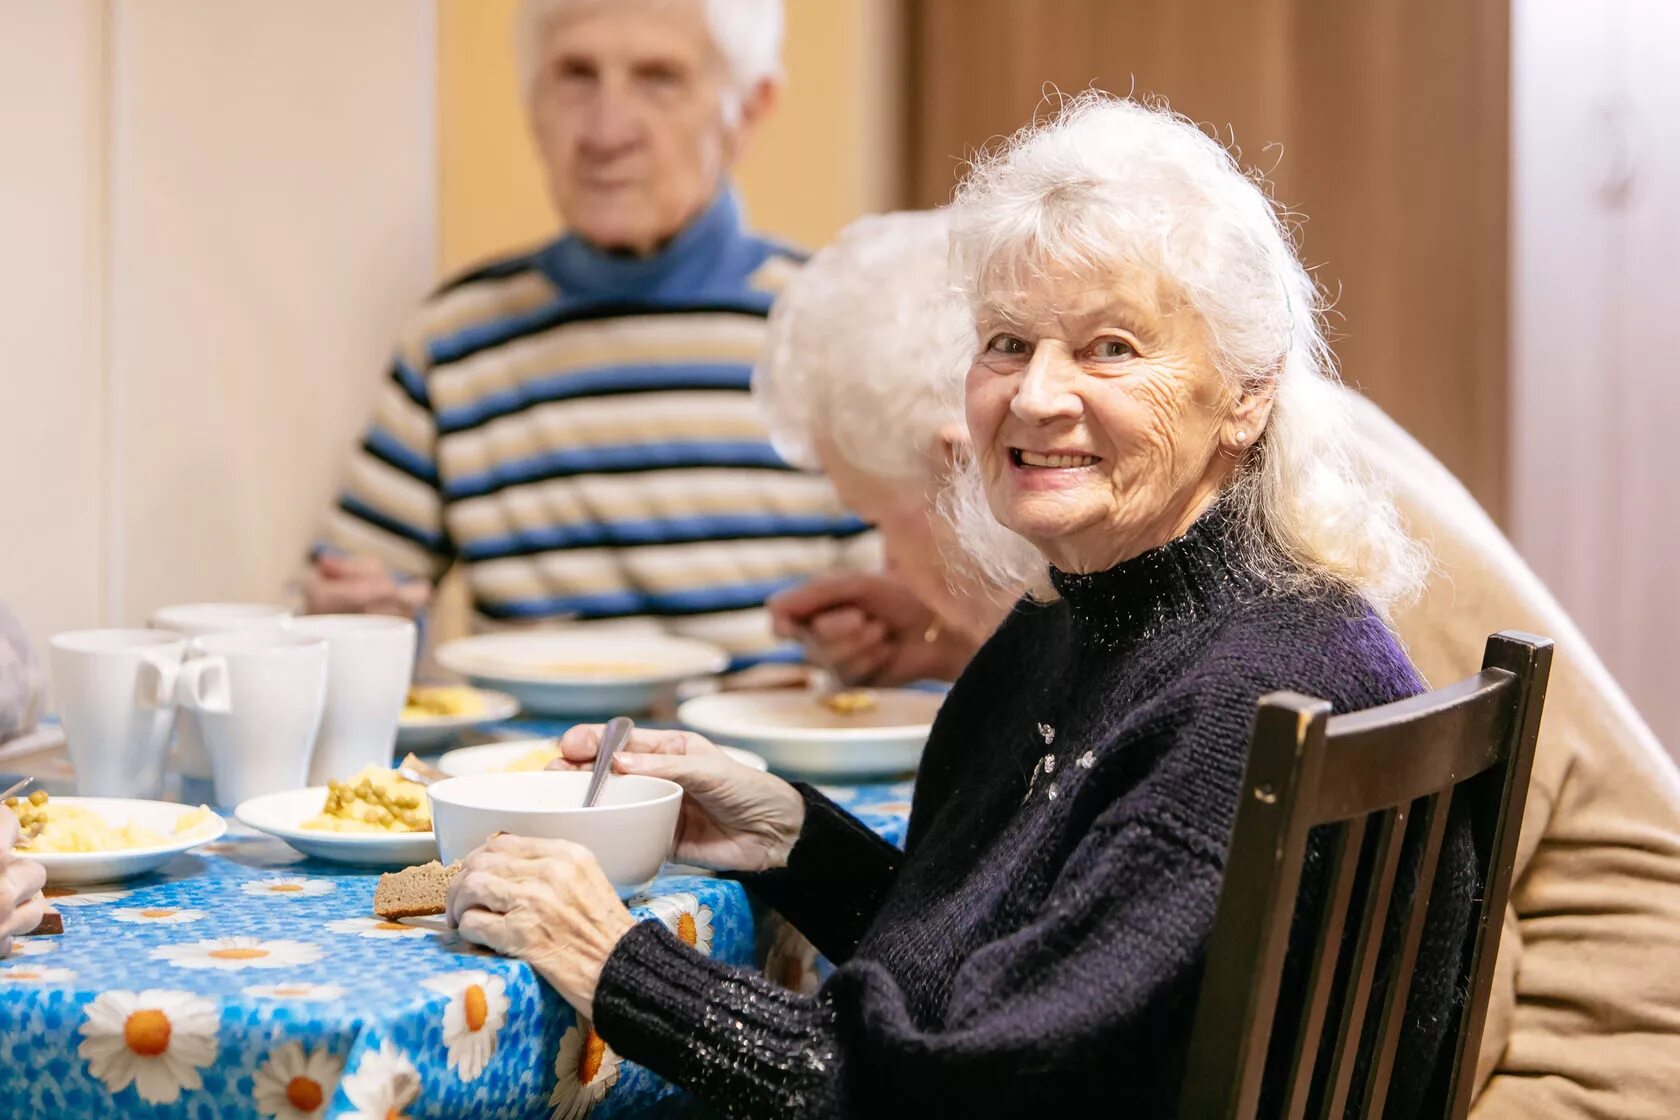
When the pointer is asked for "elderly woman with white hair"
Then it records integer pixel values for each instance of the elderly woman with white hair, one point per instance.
(1147, 399)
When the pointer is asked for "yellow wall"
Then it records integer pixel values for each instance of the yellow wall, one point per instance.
(826, 156)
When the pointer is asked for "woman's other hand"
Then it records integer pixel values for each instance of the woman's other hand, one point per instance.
(870, 629)
(20, 884)
(733, 818)
(545, 902)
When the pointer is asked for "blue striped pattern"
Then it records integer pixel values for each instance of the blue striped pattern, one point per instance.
(618, 604)
(595, 382)
(388, 448)
(507, 340)
(431, 542)
(615, 458)
(661, 530)
(412, 383)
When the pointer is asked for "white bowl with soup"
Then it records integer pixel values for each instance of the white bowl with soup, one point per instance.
(581, 672)
(854, 736)
(631, 829)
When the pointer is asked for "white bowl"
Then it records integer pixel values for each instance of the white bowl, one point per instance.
(798, 736)
(425, 734)
(495, 758)
(72, 868)
(282, 815)
(579, 672)
(631, 830)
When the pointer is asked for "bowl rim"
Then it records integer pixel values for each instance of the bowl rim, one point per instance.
(674, 793)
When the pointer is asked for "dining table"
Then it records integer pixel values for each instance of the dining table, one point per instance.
(243, 979)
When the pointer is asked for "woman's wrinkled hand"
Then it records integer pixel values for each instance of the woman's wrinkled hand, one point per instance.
(20, 885)
(545, 902)
(733, 818)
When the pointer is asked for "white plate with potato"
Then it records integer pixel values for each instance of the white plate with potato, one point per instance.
(339, 824)
(109, 839)
(866, 733)
(436, 713)
(534, 754)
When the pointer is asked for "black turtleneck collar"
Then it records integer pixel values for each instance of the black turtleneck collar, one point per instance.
(1167, 586)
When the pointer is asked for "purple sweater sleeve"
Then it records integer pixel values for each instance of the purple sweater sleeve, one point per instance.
(835, 879)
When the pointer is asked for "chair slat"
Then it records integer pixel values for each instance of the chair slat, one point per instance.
(1391, 832)
(1469, 733)
(1327, 948)
(1433, 816)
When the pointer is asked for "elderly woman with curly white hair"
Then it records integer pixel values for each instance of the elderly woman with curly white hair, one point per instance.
(1145, 400)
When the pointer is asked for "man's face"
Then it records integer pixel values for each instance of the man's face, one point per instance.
(628, 110)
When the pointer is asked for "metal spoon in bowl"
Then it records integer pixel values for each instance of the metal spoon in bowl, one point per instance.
(613, 736)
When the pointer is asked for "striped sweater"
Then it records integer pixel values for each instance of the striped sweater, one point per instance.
(577, 429)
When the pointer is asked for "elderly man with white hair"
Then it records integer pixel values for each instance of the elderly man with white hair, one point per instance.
(574, 424)
(1149, 403)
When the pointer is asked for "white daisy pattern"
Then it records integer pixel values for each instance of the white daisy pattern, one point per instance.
(33, 946)
(62, 896)
(295, 1084)
(687, 917)
(157, 915)
(385, 1083)
(586, 1069)
(296, 989)
(155, 1040)
(235, 953)
(477, 1009)
(35, 974)
(377, 928)
(290, 888)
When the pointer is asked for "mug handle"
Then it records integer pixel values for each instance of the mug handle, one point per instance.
(203, 684)
(155, 687)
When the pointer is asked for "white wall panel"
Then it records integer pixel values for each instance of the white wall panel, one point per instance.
(1596, 327)
(273, 218)
(52, 414)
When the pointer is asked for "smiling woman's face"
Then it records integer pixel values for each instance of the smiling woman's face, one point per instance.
(1102, 427)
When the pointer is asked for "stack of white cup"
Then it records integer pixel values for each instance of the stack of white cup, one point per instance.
(267, 702)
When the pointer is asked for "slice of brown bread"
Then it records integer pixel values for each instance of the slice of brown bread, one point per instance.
(52, 923)
(414, 892)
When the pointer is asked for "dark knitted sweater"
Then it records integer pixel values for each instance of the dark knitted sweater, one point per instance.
(1036, 947)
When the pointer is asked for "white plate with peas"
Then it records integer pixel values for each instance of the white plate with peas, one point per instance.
(283, 815)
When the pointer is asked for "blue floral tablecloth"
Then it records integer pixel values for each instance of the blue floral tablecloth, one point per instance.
(244, 980)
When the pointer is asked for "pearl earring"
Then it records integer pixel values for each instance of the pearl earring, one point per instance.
(1242, 437)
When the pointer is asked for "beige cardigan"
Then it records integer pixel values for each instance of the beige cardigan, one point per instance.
(1585, 1018)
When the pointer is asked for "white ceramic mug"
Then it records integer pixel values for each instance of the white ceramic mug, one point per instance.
(194, 620)
(116, 695)
(257, 696)
(370, 661)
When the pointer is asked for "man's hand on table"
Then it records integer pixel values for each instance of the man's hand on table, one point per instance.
(870, 629)
(20, 885)
(545, 902)
(361, 585)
